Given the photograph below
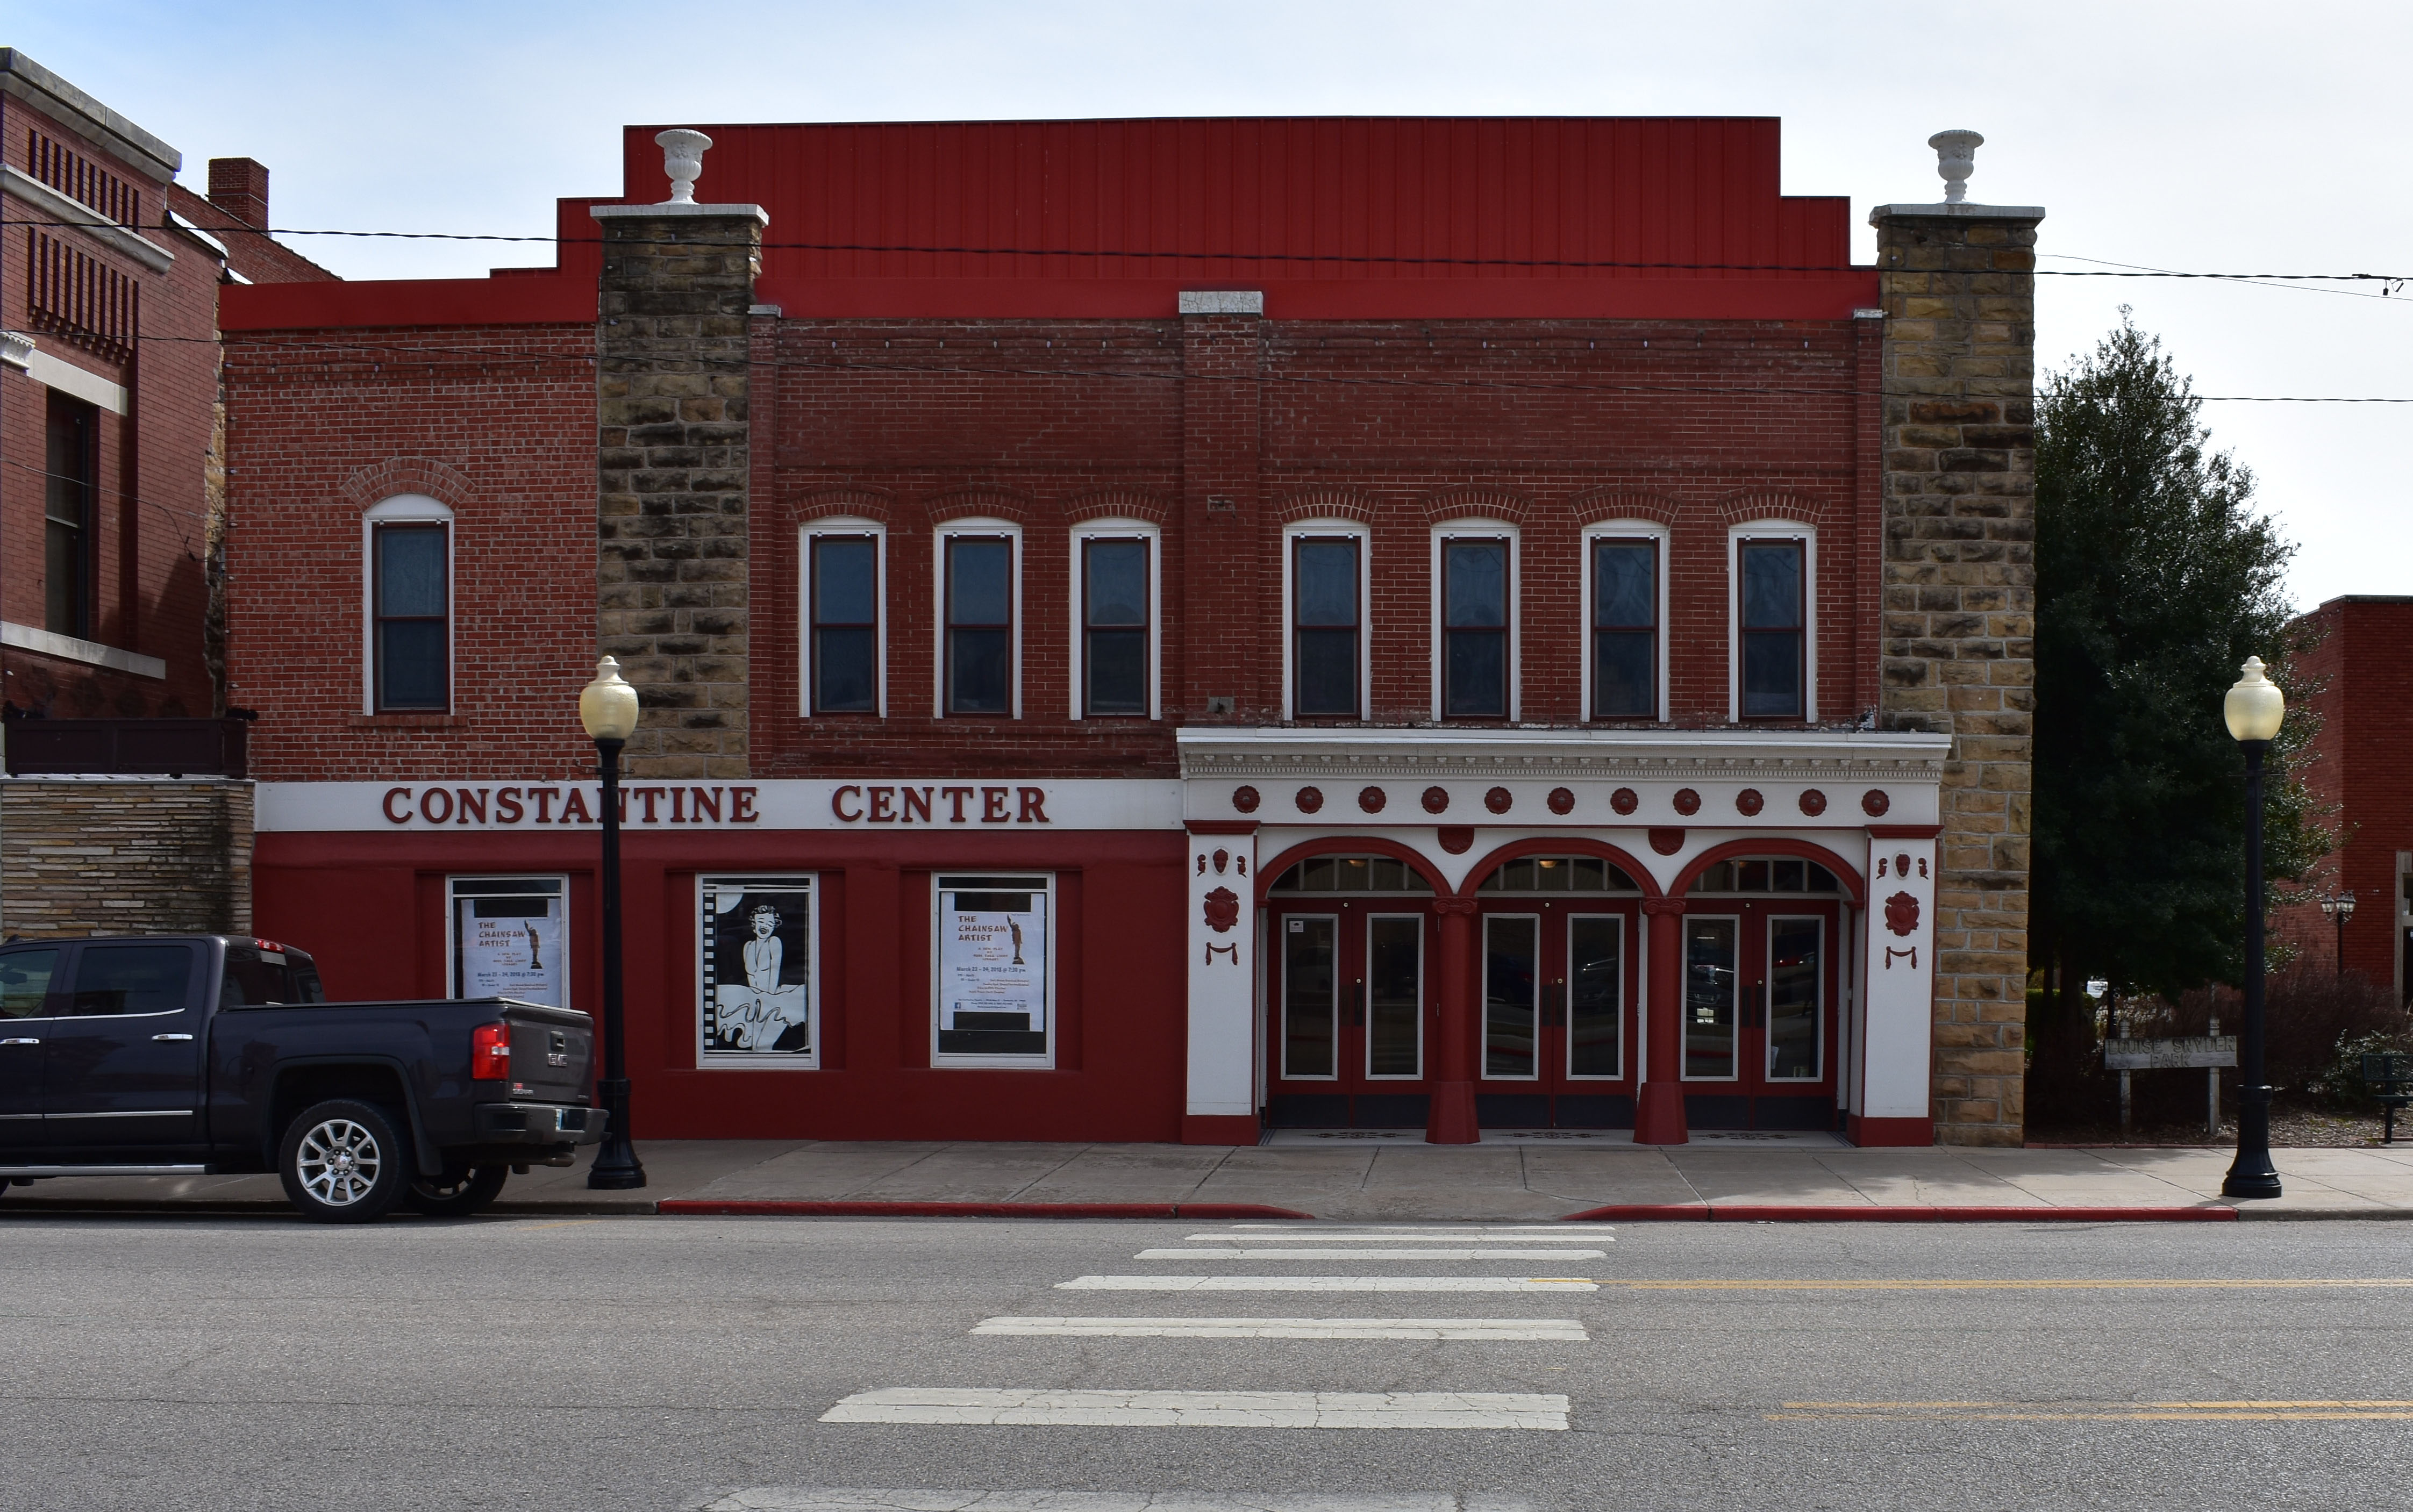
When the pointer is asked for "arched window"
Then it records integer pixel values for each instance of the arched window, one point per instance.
(407, 573)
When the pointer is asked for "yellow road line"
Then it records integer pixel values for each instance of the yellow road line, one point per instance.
(2125, 1283)
(2093, 1416)
(2172, 1406)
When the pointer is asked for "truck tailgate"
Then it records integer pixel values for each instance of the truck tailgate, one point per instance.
(552, 1053)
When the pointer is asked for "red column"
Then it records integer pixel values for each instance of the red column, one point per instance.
(1451, 1120)
(1659, 1114)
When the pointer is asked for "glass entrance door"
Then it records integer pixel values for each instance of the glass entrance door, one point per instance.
(1349, 1006)
(1761, 988)
(1560, 982)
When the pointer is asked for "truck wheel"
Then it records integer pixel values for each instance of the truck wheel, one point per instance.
(457, 1195)
(343, 1162)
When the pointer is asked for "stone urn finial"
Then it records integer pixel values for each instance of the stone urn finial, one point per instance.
(683, 160)
(1955, 158)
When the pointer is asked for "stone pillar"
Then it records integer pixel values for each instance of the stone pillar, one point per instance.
(1659, 1112)
(1450, 1119)
(1221, 675)
(672, 472)
(1959, 291)
(82, 855)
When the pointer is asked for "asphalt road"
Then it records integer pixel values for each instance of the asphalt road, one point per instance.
(664, 1362)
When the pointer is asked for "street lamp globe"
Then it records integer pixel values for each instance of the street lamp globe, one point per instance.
(2345, 906)
(608, 705)
(2255, 706)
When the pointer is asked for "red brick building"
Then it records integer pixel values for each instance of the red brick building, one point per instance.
(2358, 764)
(109, 394)
(1152, 628)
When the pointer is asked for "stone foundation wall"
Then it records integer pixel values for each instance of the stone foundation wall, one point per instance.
(120, 856)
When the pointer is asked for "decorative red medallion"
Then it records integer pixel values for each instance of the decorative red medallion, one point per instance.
(1457, 839)
(1371, 800)
(1222, 910)
(1687, 802)
(1563, 801)
(1623, 800)
(1666, 841)
(1245, 798)
(1308, 799)
(1436, 799)
(1902, 913)
(1748, 802)
(1874, 802)
(1814, 802)
(1499, 801)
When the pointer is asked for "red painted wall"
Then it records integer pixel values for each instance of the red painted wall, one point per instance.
(2359, 763)
(370, 908)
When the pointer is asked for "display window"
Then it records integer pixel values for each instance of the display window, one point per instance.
(508, 936)
(757, 1006)
(993, 999)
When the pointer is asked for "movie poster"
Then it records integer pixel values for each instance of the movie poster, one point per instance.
(510, 947)
(756, 938)
(992, 972)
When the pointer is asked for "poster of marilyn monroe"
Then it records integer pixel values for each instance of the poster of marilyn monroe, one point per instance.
(756, 938)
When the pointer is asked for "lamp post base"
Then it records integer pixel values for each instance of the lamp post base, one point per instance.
(2251, 1174)
(617, 1167)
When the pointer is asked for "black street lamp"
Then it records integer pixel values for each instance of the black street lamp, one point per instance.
(608, 708)
(2340, 907)
(2253, 710)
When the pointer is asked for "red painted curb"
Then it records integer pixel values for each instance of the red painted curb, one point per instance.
(1762, 1213)
(748, 1208)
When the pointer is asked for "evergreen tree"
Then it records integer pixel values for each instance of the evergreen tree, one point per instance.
(2156, 577)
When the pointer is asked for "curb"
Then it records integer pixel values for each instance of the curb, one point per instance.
(1760, 1212)
(704, 1206)
(2321, 1215)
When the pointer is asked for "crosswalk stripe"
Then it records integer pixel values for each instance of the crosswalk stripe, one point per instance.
(1204, 1409)
(1435, 1237)
(1545, 1330)
(1368, 1255)
(1590, 1233)
(1325, 1284)
(844, 1499)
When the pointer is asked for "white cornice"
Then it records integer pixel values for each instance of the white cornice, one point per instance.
(82, 217)
(1213, 752)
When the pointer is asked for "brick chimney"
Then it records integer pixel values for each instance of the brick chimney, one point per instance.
(239, 186)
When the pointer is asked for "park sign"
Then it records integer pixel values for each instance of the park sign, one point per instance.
(2187, 1053)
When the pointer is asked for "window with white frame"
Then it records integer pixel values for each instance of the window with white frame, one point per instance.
(1114, 636)
(757, 1005)
(406, 593)
(1773, 660)
(508, 938)
(1626, 608)
(1474, 615)
(979, 634)
(844, 669)
(1324, 596)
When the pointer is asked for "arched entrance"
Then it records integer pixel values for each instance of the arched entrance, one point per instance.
(1350, 987)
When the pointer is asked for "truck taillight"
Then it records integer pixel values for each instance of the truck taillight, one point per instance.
(490, 1052)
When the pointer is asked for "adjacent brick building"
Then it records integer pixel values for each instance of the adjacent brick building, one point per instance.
(1152, 628)
(2364, 701)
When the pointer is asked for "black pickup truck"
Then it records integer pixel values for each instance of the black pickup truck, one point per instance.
(159, 1055)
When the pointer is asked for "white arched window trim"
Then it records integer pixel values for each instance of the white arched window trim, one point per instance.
(1483, 528)
(838, 525)
(1622, 530)
(406, 508)
(1111, 529)
(1355, 530)
(970, 525)
(1764, 530)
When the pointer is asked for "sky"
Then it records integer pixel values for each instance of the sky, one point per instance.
(2203, 137)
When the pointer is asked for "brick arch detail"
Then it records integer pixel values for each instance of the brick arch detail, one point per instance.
(1475, 504)
(1108, 504)
(864, 503)
(963, 504)
(1854, 885)
(1323, 503)
(1561, 845)
(1734, 508)
(439, 480)
(1590, 509)
(1269, 872)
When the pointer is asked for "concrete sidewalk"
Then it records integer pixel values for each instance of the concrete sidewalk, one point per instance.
(1362, 1177)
